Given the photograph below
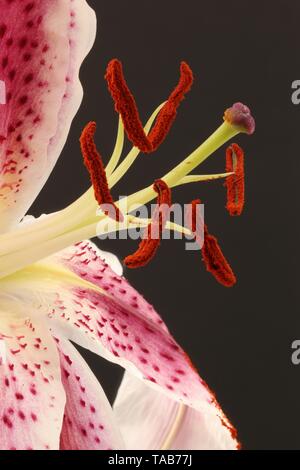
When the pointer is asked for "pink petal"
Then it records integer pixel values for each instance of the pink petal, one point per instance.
(42, 45)
(122, 327)
(149, 419)
(32, 396)
(104, 270)
(88, 421)
(115, 322)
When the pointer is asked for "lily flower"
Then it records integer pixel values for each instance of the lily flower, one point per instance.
(56, 286)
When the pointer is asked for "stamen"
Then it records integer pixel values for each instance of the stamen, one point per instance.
(213, 257)
(235, 184)
(125, 105)
(194, 215)
(202, 178)
(94, 164)
(216, 262)
(152, 235)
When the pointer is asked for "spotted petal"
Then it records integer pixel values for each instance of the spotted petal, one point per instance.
(150, 420)
(42, 45)
(89, 303)
(32, 396)
(88, 420)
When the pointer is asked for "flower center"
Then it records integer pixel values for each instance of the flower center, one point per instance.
(30, 243)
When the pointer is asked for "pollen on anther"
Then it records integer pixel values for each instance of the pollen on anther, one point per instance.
(212, 255)
(95, 167)
(152, 235)
(235, 183)
(125, 105)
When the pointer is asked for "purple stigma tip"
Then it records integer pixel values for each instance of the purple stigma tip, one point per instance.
(239, 115)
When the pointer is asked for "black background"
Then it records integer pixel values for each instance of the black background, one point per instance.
(240, 338)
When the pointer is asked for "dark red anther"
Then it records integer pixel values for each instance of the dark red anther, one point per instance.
(235, 184)
(212, 255)
(194, 214)
(94, 164)
(152, 236)
(125, 105)
(216, 262)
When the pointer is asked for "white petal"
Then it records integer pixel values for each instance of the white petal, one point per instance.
(150, 420)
